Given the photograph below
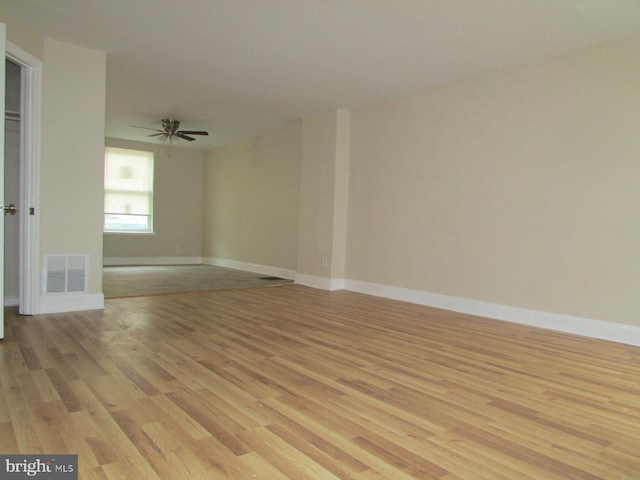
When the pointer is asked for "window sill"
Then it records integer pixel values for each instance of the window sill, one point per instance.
(130, 233)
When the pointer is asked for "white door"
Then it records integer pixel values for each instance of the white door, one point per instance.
(2, 205)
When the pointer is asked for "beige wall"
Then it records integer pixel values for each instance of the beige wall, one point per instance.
(22, 36)
(519, 187)
(73, 115)
(324, 192)
(251, 200)
(177, 207)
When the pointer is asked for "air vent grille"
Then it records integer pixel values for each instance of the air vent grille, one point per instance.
(65, 273)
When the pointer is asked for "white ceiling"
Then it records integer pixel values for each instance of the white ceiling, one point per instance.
(241, 67)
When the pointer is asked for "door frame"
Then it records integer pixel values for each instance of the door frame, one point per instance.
(30, 135)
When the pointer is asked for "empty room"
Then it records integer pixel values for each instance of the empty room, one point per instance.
(321, 240)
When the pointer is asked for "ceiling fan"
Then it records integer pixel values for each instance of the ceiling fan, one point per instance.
(170, 130)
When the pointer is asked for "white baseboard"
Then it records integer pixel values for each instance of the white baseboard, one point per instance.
(615, 332)
(71, 302)
(250, 267)
(11, 301)
(587, 327)
(115, 261)
(322, 283)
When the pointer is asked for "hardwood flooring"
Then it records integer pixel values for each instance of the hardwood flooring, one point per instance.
(295, 383)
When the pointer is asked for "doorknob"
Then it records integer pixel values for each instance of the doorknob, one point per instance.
(11, 209)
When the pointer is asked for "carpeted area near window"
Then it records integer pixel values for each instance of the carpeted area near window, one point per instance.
(131, 281)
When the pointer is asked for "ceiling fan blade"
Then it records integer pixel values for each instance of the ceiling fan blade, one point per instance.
(184, 137)
(193, 132)
(156, 134)
(146, 128)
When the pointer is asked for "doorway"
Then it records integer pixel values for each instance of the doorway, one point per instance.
(22, 130)
(12, 155)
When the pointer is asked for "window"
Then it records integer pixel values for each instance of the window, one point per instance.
(128, 191)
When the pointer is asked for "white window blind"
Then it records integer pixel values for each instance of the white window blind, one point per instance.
(128, 191)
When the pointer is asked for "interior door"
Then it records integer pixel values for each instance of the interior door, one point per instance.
(2, 205)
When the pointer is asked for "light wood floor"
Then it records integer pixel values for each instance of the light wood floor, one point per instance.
(295, 383)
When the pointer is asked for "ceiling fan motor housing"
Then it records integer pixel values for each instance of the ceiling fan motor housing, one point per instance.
(170, 126)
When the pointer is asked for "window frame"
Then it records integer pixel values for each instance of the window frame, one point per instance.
(121, 230)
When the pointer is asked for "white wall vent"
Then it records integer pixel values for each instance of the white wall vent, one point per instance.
(65, 273)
